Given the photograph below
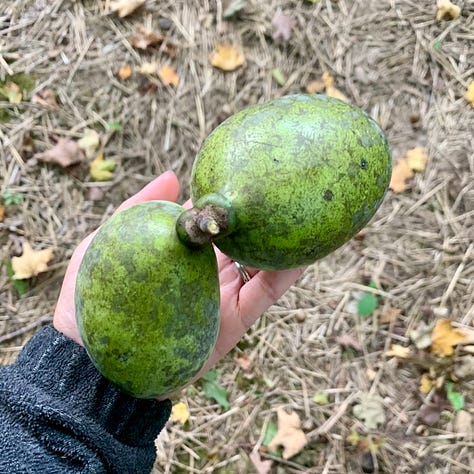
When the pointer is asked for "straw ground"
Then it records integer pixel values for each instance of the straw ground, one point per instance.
(393, 59)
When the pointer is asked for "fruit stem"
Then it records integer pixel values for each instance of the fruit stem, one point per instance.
(211, 217)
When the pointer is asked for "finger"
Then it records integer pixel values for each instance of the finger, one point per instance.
(165, 187)
(263, 290)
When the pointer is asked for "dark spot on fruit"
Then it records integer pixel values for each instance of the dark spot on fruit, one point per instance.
(364, 164)
(276, 161)
(328, 195)
(123, 357)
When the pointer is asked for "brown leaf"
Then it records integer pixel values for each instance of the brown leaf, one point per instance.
(65, 153)
(31, 262)
(125, 7)
(227, 57)
(331, 89)
(444, 337)
(289, 434)
(125, 72)
(2, 213)
(390, 315)
(401, 172)
(262, 467)
(399, 351)
(142, 38)
(315, 87)
(346, 340)
(417, 158)
(282, 26)
(168, 76)
(46, 98)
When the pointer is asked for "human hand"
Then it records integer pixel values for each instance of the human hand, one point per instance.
(241, 302)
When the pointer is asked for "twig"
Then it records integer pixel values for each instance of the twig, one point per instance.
(43, 319)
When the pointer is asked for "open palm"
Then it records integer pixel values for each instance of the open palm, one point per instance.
(241, 303)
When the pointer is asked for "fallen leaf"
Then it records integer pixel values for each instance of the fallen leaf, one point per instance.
(125, 72)
(282, 26)
(421, 336)
(354, 438)
(401, 172)
(243, 361)
(31, 262)
(426, 384)
(2, 213)
(12, 92)
(370, 411)
(444, 337)
(168, 76)
(331, 89)
(125, 7)
(143, 38)
(469, 95)
(234, 7)
(100, 169)
(346, 340)
(321, 398)
(399, 351)
(46, 98)
(180, 413)
(390, 315)
(149, 69)
(65, 153)
(463, 424)
(417, 158)
(447, 10)
(227, 57)
(289, 434)
(89, 142)
(315, 87)
(262, 467)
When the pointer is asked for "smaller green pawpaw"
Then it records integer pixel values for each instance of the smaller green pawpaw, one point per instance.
(147, 306)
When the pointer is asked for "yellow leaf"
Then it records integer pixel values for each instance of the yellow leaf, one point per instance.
(168, 76)
(447, 10)
(2, 213)
(89, 142)
(180, 413)
(125, 7)
(417, 158)
(289, 434)
(401, 172)
(469, 95)
(125, 72)
(315, 87)
(444, 337)
(31, 262)
(12, 92)
(227, 57)
(331, 89)
(100, 169)
(426, 384)
(398, 351)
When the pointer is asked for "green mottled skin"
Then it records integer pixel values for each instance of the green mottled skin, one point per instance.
(147, 306)
(303, 173)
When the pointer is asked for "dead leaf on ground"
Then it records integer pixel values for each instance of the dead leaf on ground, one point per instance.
(180, 413)
(399, 351)
(142, 38)
(168, 76)
(426, 383)
(401, 172)
(149, 68)
(282, 26)
(46, 98)
(331, 89)
(125, 72)
(262, 467)
(390, 315)
(243, 361)
(65, 153)
(101, 169)
(315, 87)
(469, 94)
(421, 336)
(370, 411)
(289, 434)
(346, 340)
(444, 338)
(447, 10)
(125, 8)
(417, 158)
(89, 142)
(31, 262)
(227, 57)
(12, 92)
(2, 213)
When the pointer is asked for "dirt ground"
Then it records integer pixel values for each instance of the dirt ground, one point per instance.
(392, 58)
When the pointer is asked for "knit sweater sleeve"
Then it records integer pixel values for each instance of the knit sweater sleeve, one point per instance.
(59, 415)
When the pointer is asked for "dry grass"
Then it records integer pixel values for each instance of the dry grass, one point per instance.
(393, 59)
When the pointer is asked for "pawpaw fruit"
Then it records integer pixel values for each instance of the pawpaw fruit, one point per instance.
(302, 175)
(147, 306)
